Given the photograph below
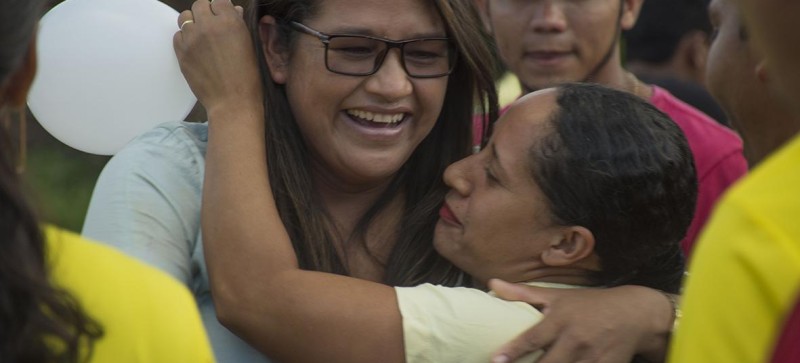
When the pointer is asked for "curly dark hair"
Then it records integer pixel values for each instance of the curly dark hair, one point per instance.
(39, 322)
(623, 169)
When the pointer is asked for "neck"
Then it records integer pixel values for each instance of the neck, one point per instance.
(623, 80)
(560, 275)
(615, 76)
(347, 197)
(764, 141)
(612, 74)
(346, 205)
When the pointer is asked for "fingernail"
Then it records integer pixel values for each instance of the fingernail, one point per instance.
(500, 359)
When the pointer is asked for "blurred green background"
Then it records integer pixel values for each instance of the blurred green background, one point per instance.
(60, 179)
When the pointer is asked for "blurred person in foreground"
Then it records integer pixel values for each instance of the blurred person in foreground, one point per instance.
(741, 297)
(63, 298)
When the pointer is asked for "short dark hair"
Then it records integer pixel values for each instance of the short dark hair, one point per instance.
(623, 169)
(660, 27)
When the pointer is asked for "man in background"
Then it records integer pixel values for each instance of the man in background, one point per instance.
(668, 47)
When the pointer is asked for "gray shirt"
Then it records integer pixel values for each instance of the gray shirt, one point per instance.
(147, 204)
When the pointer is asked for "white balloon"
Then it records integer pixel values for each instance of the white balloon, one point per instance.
(107, 72)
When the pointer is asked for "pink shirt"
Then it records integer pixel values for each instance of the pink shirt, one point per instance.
(787, 350)
(717, 152)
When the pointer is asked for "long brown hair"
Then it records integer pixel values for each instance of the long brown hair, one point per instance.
(38, 322)
(412, 260)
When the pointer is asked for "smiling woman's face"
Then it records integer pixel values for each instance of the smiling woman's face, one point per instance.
(496, 221)
(362, 129)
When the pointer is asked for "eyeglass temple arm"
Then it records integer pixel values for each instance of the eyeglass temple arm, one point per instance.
(309, 31)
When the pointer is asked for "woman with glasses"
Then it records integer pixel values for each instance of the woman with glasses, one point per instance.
(363, 104)
(364, 111)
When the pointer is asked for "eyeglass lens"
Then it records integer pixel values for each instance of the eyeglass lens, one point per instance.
(361, 56)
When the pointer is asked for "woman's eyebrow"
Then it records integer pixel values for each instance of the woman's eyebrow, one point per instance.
(358, 30)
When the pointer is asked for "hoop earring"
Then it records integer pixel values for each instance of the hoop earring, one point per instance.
(22, 134)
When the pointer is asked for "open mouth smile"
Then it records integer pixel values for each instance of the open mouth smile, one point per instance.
(373, 119)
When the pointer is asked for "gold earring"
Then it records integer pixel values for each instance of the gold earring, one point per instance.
(22, 133)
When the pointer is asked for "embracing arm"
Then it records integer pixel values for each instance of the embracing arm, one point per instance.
(597, 325)
(259, 291)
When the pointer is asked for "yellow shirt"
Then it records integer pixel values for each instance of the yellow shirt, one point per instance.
(745, 274)
(146, 315)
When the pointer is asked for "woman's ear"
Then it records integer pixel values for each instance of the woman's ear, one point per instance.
(574, 245)
(276, 51)
(630, 13)
(15, 91)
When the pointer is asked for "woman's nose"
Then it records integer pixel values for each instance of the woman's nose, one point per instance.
(457, 176)
(391, 81)
(548, 17)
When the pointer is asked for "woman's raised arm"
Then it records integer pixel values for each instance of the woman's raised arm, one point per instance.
(259, 291)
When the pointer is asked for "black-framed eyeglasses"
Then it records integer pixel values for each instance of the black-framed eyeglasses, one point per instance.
(362, 55)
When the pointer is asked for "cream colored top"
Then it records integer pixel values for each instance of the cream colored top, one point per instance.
(446, 324)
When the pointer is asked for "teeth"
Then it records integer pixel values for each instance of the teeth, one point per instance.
(385, 118)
